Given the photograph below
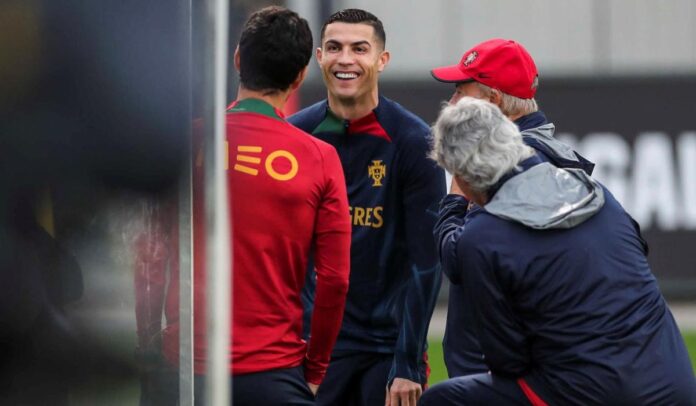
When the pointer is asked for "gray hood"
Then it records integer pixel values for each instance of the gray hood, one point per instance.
(547, 197)
(544, 135)
(559, 153)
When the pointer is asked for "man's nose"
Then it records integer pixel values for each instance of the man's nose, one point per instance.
(346, 57)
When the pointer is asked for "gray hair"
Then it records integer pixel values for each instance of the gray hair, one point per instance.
(473, 140)
(511, 105)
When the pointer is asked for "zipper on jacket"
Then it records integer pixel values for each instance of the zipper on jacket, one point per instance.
(347, 168)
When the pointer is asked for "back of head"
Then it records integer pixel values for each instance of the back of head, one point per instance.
(275, 46)
(476, 142)
(357, 16)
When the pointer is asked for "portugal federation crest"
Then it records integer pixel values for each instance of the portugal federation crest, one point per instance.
(377, 171)
(470, 58)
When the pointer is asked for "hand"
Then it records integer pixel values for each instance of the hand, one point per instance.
(313, 387)
(403, 393)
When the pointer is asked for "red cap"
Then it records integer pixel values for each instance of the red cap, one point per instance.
(499, 63)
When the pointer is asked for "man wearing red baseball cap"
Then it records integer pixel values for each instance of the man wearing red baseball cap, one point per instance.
(502, 72)
(503, 66)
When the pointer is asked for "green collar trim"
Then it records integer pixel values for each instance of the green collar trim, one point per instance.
(331, 124)
(255, 106)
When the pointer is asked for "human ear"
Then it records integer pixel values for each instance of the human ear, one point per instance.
(237, 62)
(383, 60)
(318, 54)
(300, 78)
(495, 97)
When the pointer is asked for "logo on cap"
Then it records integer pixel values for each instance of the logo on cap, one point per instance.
(470, 58)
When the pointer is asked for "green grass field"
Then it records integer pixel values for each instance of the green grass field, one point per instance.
(438, 372)
(108, 392)
(690, 339)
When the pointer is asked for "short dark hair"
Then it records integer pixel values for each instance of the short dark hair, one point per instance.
(275, 45)
(357, 16)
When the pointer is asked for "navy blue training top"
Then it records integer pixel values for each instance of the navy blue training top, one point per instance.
(393, 191)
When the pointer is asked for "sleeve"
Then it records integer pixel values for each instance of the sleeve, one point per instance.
(501, 336)
(423, 186)
(332, 265)
(453, 209)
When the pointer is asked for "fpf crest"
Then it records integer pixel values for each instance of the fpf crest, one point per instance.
(377, 171)
(470, 58)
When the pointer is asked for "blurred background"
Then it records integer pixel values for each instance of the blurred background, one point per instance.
(98, 101)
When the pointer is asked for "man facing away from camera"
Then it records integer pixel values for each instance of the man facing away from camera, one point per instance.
(566, 309)
(393, 190)
(502, 72)
(287, 197)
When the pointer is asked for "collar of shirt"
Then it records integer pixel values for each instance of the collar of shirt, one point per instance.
(533, 120)
(258, 106)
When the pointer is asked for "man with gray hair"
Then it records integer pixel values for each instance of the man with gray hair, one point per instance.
(502, 72)
(566, 308)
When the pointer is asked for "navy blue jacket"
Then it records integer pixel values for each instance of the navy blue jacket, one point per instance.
(461, 349)
(574, 311)
(393, 191)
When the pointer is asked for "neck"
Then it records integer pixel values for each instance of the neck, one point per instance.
(463, 188)
(352, 109)
(276, 99)
(480, 198)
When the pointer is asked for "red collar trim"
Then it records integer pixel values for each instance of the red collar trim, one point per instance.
(368, 125)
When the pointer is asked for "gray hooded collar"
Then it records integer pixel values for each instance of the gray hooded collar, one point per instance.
(547, 197)
(544, 135)
(559, 153)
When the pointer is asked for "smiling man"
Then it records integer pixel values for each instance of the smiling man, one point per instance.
(393, 189)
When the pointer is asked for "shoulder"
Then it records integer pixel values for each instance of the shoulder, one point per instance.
(482, 230)
(323, 148)
(400, 123)
(322, 151)
(612, 208)
(303, 136)
(310, 117)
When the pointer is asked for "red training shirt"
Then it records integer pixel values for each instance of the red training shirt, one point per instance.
(287, 192)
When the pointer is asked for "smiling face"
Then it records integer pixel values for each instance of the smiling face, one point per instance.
(351, 58)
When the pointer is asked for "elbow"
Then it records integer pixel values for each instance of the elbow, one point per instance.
(450, 269)
(335, 285)
(341, 287)
(331, 292)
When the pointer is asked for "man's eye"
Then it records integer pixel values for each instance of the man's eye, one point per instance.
(360, 50)
(331, 48)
